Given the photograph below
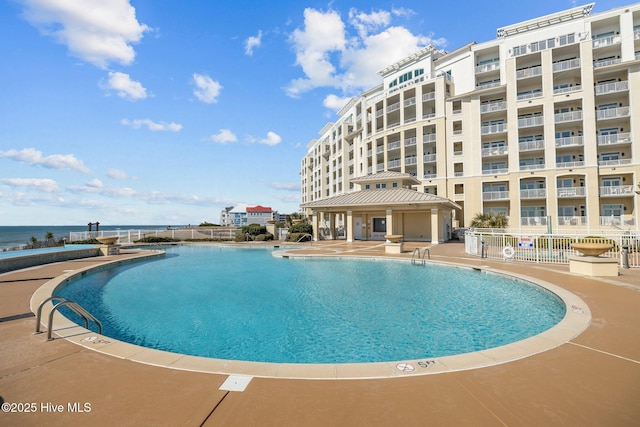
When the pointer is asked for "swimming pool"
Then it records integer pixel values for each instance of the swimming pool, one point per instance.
(245, 304)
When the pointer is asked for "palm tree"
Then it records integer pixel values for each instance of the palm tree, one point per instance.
(489, 220)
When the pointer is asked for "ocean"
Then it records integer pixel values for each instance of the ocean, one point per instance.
(17, 236)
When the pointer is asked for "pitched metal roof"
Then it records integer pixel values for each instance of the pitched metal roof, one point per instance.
(381, 197)
(385, 176)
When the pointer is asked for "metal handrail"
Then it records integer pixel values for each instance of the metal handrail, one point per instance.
(73, 306)
(420, 257)
(305, 235)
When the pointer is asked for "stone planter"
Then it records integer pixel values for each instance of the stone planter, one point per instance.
(591, 249)
(394, 238)
(107, 240)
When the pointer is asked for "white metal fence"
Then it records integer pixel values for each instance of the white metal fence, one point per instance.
(200, 233)
(549, 248)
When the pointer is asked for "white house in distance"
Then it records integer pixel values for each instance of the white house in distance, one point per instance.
(243, 214)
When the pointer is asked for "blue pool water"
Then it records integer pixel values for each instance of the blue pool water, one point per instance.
(245, 304)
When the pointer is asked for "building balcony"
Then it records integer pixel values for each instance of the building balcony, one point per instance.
(528, 122)
(605, 88)
(410, 160)
(496, 171)
(487, 85)
(616, 162)
(430, 96)
(429, 137)
(522, 96)
(606, 41)
(533, 220)
(618, 220)
(395, 145)
(493, 129)
(571, 192)
(458, 174)
(410, 141)
(495, 195)
(569, 64)
(617, 191)
(571, 141)
(533, 193)
(569, 165)
(616, 138)
(530, 146)
(380, 149)
(491, 107)
(612, 113)
(409, 102)
(429, 158)
(430, 175)
(570, 116)
(599, 63)
(428, 116)
(567, 89)
(531, 167)
(393, 107)
(494, 151)
(529, 72)
(572, 220)
(395, 163)
(487, 67)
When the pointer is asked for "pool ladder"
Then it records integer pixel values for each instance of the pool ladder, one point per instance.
(73, 306)
(417, 257)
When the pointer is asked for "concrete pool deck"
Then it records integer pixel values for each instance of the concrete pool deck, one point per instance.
(594, 379)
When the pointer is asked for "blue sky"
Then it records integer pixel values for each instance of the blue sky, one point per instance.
(164, 112)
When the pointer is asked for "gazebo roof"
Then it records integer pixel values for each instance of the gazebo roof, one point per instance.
(381, 197)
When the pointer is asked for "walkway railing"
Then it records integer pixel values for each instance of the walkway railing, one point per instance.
(550, 248)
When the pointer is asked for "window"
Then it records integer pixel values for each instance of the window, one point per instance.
(419, 72)
(532, 211)
(567, 39)
(605, 157)
(394, 185)
(367, 186)
(531, 185)
(498, 186)
(496, 210)
(379, 225)
(381, 185)
(611, 182)
(612, 210)
(566, 211)
(519, 50)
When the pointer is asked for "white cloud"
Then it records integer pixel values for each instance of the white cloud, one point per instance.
(125, 87)
(271, 139)
(32, 156)
(207, 90)
(95, 183)
(151, 125)
(117, 174)
(286, 186)
(335, 102)
(39, 184)
(331, 57)
(224, 136)
(96, 31)
(323, 33)
(251, 43)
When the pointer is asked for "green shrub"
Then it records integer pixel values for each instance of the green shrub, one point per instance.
(241, 237)
(264, 237)
(254, 229)
(156, 239)
(295, 237)
(302, 227)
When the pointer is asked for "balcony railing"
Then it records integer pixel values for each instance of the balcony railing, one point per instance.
(564, 165)
(606, 62)
(458, 174)
(566, 65)
(533, 220)
(530, 167)
(616, 162)
(491, 129)
(569, 192)
(409, 102)
(496, 171)
(616, 191)
(529, 95)
(429, 137)
(491, 107)
(410, 141)
(530, 145)
(393, 107)
(428, 96)
(380, 149)
(572, 220)
(411, 160)
(605, 41)
(569, 116)
(530, 121)
(488, 67)
(616, 138)
(429, 158)
(533, 193)
(392, 146)
(379, 167)
(567, 89)
(570, 141)
(612, 113)
(529, 72)
(487, 85)
(396, 163)
(494, 151)
(495, 195)
(604, 88)
(618, 220)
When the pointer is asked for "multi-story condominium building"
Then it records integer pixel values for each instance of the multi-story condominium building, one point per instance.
(541, 124)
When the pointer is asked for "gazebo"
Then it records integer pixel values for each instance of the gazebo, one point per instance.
(385, 205)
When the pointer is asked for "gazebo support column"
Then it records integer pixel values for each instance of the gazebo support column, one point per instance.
(349, 226)
(435, 227)
(315, 223)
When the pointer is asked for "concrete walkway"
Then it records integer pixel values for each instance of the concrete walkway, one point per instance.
(593, 380)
